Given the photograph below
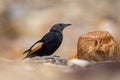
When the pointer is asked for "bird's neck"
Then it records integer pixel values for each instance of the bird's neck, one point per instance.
(55, 31)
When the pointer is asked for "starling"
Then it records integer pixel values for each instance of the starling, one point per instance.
(49, 43)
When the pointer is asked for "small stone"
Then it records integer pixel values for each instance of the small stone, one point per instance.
(98, 46)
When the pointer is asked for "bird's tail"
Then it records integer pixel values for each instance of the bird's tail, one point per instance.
(26, 51)
(29, 56)
(26, 56)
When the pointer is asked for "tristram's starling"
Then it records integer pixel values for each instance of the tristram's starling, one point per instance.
(49, 43)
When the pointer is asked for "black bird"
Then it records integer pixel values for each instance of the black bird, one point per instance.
(49, 43)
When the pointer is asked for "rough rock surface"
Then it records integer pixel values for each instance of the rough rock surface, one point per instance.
(97, 46)
(47, 59)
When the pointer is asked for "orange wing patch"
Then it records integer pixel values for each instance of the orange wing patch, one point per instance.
(36, 47)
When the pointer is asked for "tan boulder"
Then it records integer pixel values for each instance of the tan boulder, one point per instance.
(98, 46)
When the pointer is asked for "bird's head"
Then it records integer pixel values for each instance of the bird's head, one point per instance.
(59, 27)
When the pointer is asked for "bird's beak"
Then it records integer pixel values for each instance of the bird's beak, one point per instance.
(67, 25)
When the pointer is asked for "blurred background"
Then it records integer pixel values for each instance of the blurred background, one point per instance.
(23, 22)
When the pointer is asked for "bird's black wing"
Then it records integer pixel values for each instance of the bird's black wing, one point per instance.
(30, 47)
(36, 46)
(48, 37)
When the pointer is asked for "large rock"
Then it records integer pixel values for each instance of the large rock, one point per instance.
(97, 46)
